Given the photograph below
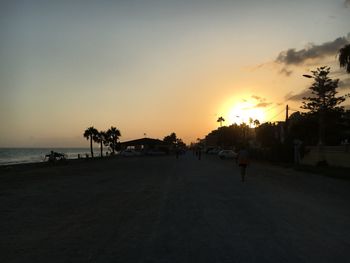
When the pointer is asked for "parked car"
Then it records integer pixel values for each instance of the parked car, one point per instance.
(129, 153)
(213, 151)
(155, 153)
(227, 154)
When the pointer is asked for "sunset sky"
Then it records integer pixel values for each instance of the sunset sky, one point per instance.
(158, 66)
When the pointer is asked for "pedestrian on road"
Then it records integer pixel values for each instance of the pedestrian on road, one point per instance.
(199, 153)
(243, 161)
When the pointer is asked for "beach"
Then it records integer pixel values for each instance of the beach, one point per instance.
(163, 209)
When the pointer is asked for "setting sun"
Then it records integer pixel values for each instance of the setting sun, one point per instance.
(243, 111)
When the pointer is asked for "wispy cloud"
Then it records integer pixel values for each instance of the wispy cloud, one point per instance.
(260, 102)
(299, 96)
(343, 84)
(297, 57)
(286, 71)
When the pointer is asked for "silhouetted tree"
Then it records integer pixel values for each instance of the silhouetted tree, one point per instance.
(112, 136)
(90, 133)
(323, 101)
(256, 123)
(344, 58)
(265, 134)
(170, 139)
(101, 138)
(220, 120)
(302, 126)
(323, 90)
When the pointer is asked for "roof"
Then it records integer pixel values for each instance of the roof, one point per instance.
(143, 141)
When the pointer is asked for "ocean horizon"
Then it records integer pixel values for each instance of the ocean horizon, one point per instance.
(18, 155)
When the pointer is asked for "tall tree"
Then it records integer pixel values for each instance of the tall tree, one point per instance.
(221, 120)
(90, 134)
(170, 139)
(113, 135)
(256, 123)
(100, 138)
(323, 100)
(344, 58)
(323, 92)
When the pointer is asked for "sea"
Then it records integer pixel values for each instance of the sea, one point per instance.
(10, 156)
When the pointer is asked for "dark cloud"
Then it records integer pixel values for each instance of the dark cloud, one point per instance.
(347, 3)
(286, 72)
(260, 102)
(343, 84)
(299, 96)
(263, 104)
(296, 57)
(256, 97)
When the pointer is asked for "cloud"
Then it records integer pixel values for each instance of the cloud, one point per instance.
(257, 97)
(297, 57)
(299, 96)
(286, 71)
(260, 102)
(344, 84)
(347, 3)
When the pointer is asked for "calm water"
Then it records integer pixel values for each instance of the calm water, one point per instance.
(33, 155)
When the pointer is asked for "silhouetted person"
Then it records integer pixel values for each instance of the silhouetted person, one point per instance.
(199, 153)
(243, 161)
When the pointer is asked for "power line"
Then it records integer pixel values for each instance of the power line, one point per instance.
(277, 105)
(276, 115)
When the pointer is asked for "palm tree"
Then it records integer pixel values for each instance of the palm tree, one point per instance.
(90, 133)
(113, 135)
(220, 119)
(256, 123)
(100, 138)
(344, 58)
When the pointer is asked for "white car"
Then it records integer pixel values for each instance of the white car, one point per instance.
(129, 152)
(227, 154)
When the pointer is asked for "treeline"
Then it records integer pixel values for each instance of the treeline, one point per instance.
(110, 137)
(325, 122)
(107, 138)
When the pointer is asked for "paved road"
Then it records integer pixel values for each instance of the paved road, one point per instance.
(160, 209)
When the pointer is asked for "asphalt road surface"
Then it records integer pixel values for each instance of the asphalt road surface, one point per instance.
(159, 209)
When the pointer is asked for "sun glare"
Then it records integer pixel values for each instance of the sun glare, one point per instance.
(243, 112)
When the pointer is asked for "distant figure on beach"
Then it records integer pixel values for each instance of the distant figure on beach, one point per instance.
(243, 161)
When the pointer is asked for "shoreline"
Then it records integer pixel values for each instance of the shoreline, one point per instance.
(50, 164)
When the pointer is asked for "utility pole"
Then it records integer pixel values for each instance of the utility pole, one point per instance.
(286, 124)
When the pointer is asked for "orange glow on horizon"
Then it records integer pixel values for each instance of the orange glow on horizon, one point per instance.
(242, 112)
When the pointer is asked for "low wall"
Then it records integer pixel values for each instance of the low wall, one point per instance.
(334, 155)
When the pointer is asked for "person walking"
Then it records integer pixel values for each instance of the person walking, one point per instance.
(243, 161)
